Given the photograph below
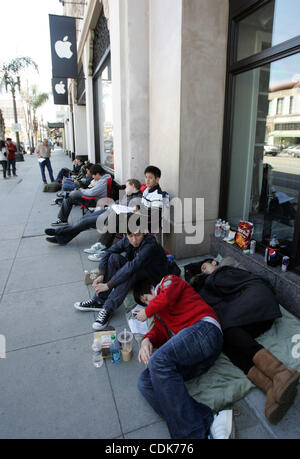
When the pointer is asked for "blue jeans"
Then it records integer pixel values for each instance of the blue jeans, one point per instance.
(188, 354)
(12, 163)
(47, 164)
(69, 185)
(112, 299)
(66, 233)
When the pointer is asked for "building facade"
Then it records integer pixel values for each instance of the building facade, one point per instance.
(190, 86)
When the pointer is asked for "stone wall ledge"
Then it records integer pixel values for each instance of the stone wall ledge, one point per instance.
(286, 285)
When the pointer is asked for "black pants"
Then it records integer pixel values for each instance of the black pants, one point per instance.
(4, 166)
(239, 343)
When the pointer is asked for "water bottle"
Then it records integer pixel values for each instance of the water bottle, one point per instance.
(227, 229)
(97, 354)
(115, 350)
(273, 251)
(218, 228)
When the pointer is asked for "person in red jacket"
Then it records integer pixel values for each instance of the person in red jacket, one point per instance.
(11, 157)
(188, 336)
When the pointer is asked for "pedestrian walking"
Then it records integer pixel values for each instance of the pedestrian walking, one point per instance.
(11, 157)
(3, 157)
(43, 152)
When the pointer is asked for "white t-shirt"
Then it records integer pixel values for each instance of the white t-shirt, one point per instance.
(2, 157)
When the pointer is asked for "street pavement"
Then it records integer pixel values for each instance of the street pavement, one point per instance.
(49, 387)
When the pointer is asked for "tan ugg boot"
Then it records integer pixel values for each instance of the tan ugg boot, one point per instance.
(284, 379)
(274, 411)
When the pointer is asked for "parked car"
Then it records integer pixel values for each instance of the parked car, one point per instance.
(294, 151)
(271, 150)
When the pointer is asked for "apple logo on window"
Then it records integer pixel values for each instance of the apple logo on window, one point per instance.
(60, 88)
(62, 48)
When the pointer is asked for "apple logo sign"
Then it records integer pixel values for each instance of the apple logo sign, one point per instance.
(62, 48)
(60, 88)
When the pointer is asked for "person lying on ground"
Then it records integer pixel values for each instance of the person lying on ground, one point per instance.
(143, 257)
(65, 234)
(188, 339)
(99, 189)
(247, 307)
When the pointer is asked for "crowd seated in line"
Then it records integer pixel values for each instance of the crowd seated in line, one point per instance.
(63, 235)
(98, 189)
(82, 180)
(152, 202)
(192, 323)
(78, 168)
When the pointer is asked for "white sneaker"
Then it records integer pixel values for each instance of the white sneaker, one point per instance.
(221, 427)
(96, 256)
(95, 248)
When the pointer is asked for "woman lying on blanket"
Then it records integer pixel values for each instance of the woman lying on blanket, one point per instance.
(247, 307)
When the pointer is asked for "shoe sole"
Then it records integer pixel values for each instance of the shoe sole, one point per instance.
(59, 224)
(81, 308)
(287, 391)
(280, 410)
(98, 327)
(93, 259)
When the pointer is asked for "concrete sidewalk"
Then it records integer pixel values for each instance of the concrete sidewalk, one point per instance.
(48, 385)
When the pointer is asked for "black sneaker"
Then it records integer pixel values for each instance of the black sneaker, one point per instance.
(59, 223)
(50, 231)
(102, 319)
(88, 305)
(53, 240)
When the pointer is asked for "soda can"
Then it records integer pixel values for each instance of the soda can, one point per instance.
(285, 263)
(266, 255)
(252, 247)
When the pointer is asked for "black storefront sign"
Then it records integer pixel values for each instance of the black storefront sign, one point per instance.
(60, 91)
(63, 46)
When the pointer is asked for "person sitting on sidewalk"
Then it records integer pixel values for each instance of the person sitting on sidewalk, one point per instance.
(75, 197)
(82, 180)
(66, 172)
(247, 307)
(154, 198)
(111, 219)
(188, 339)
(143, 257)
(151, 203)
(65, 234)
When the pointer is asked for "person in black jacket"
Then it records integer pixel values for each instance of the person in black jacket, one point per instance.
(144, 257)
(247, 307)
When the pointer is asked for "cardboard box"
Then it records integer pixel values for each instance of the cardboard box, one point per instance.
(104, 338)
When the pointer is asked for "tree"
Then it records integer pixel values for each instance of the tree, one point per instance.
(35, 100)
(10, 78)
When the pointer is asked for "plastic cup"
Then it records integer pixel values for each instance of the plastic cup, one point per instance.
(125, 340)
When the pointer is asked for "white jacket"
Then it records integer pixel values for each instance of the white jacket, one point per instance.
(2, 157)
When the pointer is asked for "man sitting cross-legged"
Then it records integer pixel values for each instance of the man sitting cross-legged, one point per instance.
(99, 189)
(143, 257)
(65, 234)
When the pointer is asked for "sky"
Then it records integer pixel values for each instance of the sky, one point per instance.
(24, 31)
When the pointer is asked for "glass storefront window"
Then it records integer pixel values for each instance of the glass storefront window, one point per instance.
(104, 118)
(264, 185)
(273, 23)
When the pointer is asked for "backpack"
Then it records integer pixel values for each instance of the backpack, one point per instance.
(52, 187)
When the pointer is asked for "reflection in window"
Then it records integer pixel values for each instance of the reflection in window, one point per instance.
(265, 153)
(271, 24)
(104, 117)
